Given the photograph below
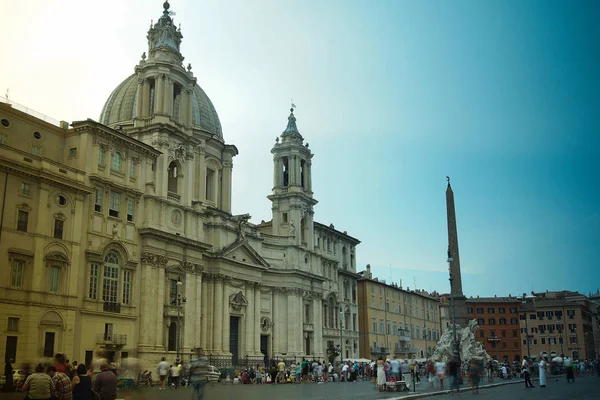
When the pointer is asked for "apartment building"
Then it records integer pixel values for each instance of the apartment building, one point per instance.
(554, 323)
(498, 320)
(396, 321)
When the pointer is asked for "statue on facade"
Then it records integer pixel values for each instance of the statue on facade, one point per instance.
(292, 229)
(469, 347)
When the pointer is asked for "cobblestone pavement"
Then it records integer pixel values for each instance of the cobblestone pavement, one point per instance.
(585, 388)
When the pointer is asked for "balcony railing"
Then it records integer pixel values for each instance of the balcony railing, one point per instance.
(493, 339)
(112, 307)
(405, 350)
(404, 338)
(173, 196)
(380, 350)
(111, 339)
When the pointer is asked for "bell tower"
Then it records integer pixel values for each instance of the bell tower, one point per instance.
(292, 197)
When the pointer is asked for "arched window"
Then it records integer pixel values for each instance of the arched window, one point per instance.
(110, 282)
(116, 161)
(344, 258)
(173, 171)
(332, 316)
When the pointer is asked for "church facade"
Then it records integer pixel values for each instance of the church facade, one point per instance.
(150, 262)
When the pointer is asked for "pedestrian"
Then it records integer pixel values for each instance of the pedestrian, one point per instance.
(175, 375)
(38, 385)
(453, 373)
(380, 374)
(63, 390)
(105, 383)
(82, 384)
(568, 366)
(475, 376)
(526, 374)
(163, 371)
(440, 372)
(542, 367)
(8, 372)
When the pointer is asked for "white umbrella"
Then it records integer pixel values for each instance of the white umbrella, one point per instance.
(557, 359)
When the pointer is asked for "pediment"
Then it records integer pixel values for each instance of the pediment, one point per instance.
(241, 251)
(238, 299)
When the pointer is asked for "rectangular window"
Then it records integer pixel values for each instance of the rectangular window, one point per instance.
(470, 310)
(3, 138)
(502, 321)
(36, 150)
(480, 311)
(285, 221)
(354, 322)
(381, 303)
(372, 301)
(58, 228)
(13, 324)
(503, 333)
(93, 289)
(126, 287)
(381, 327)
(513, 321)
(98, 202)
(173, 291)
(571, 314)
(100, 155)
(49, 344)
(374, 325)
(130, 208)
(513, 310)
(115, 203)
(17, 273)
(502, 310)
(492, 321)
(480, 321)
(532, 316)
(22, 221)
(73, 152)
(110, 283)
(543, 340)
(25, 189)
(210, 179)
(389, 328)
(132, 168)
(53, 285)
(491, 310)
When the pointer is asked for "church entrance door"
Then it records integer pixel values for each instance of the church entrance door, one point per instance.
(264, 347)
(234, 326)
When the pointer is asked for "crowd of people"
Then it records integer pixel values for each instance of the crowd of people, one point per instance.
(58, 379)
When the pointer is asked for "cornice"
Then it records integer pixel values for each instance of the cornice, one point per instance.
(153, 232)
(127, 189)
(44, 176)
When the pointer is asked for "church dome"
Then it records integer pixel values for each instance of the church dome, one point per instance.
(120, 108)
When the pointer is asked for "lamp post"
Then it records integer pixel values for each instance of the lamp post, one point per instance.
(560, 330)
(455, 349)
(341, 337)
(178, 300)
(524, 303)
(425, 335)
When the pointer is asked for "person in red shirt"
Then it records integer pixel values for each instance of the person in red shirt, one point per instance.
(62, 384)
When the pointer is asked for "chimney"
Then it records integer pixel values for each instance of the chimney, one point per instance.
(64, 125)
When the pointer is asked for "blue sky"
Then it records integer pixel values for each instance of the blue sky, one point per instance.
(503, 96)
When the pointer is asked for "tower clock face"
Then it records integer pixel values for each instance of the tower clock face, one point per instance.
(176, 217)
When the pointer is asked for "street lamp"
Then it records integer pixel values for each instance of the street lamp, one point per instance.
(341, 337)
(560, 330)
(425, 334)
(524, 303)
(455, 350)
(178, 300)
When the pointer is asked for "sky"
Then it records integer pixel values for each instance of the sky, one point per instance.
(392, 96)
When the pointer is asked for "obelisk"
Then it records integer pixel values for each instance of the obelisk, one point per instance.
(460, 305)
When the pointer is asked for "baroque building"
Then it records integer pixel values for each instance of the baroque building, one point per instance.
(134, 250)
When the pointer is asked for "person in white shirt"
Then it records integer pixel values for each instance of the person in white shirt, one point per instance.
(504, 372)
(525, 370)
(163, 371)
(345, 372)
(440, 372)
(175, 375)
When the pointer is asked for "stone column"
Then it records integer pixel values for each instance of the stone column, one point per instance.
(160, 309)
(217, 325)
(168, 97)
(139, 106)
(204, 314)
(198, 311)
(249, 321)
(146, 98)
(188, 107)
(291, 170)
(257, 318)
(159, 90)
(226, 186)
(146, 309)
(188, 179)
(277, 327)
(293, 324)
(318, 348)
(308, 176)
(225, 317)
